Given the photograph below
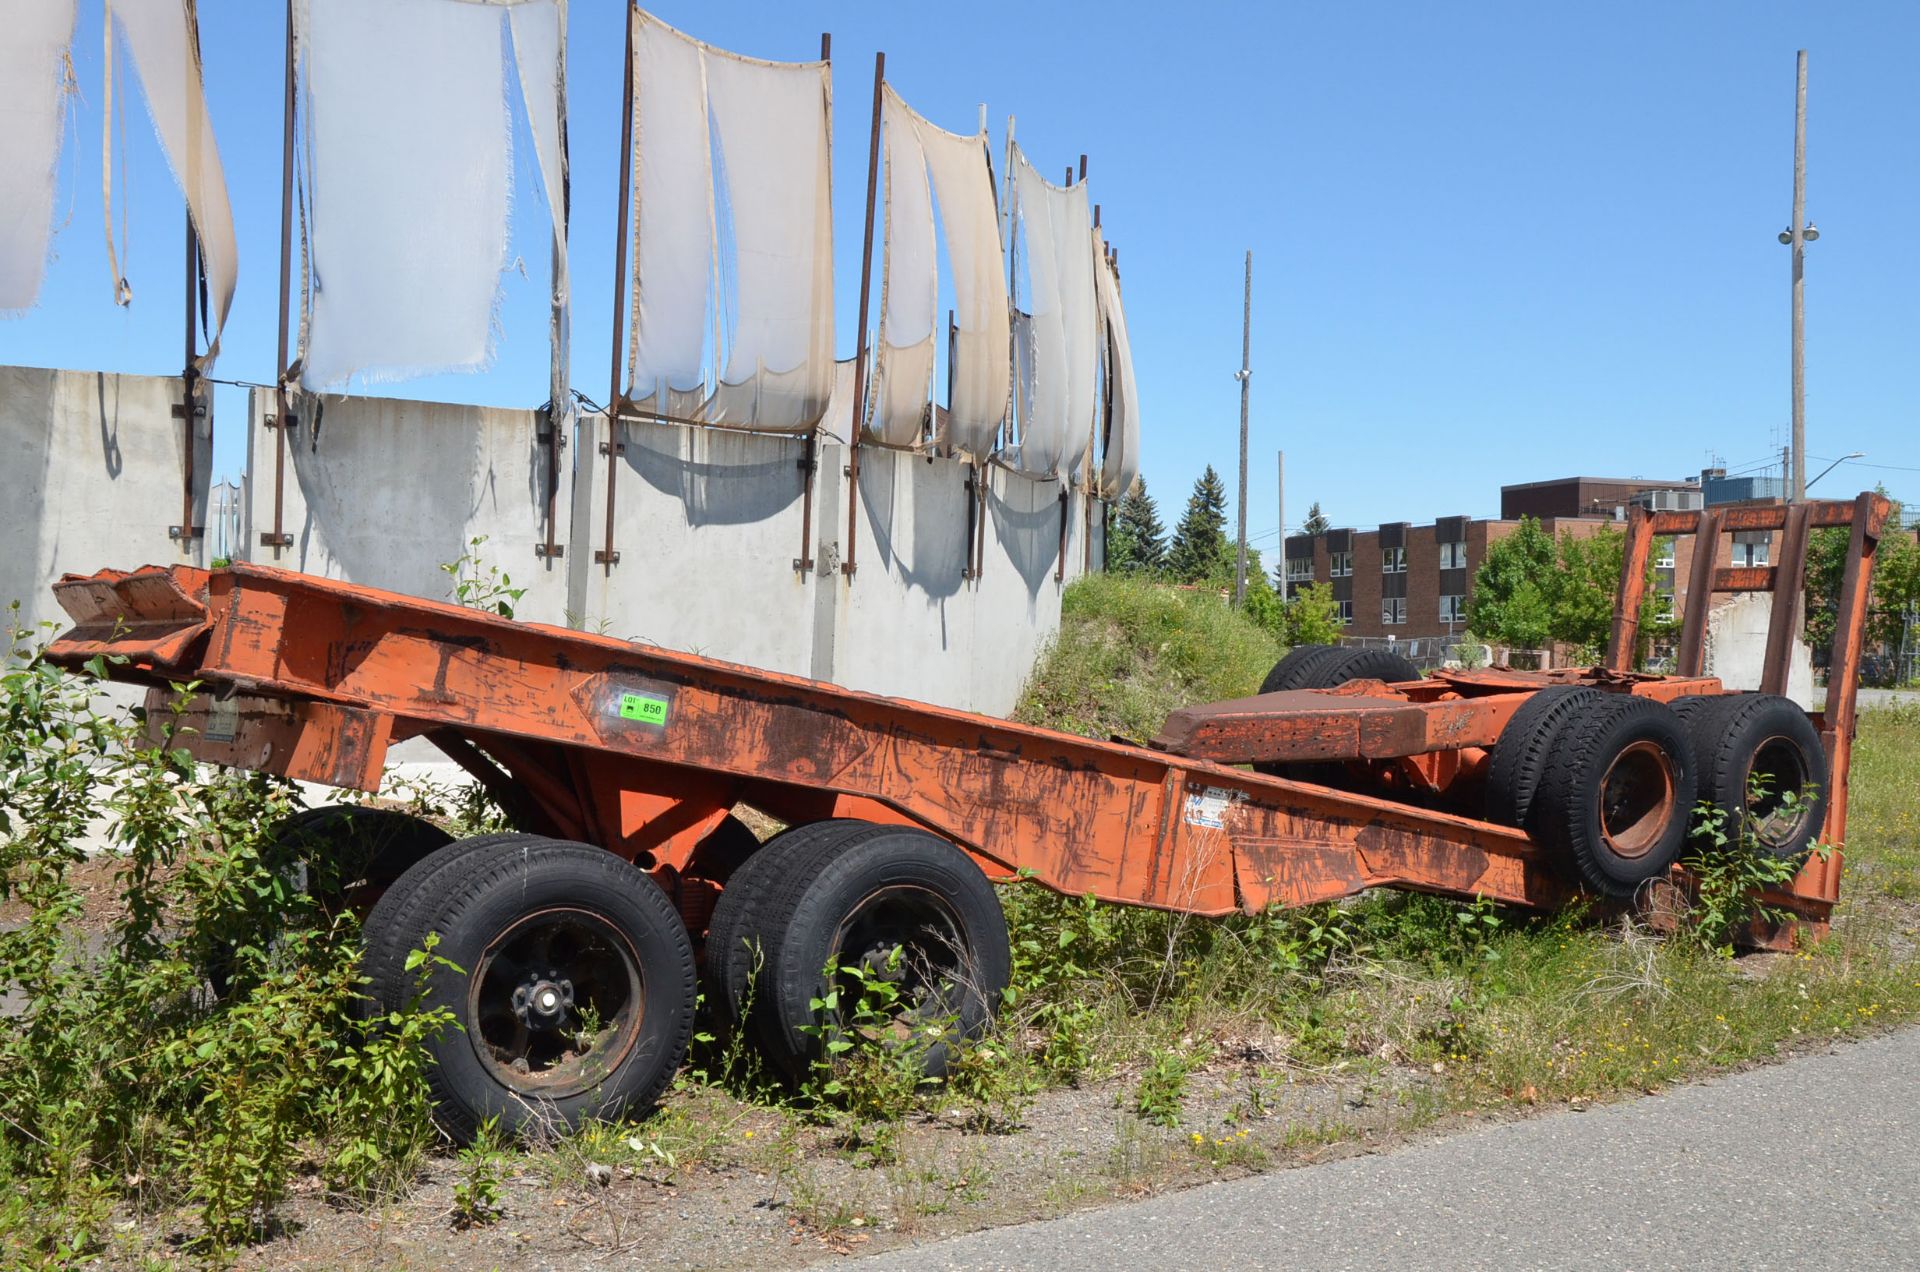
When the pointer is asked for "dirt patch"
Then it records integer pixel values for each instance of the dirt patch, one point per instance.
(769, 1191)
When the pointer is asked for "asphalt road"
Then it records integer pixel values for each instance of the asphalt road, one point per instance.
(1814, 1163)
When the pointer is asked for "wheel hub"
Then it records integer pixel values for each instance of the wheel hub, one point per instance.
(543, 1002)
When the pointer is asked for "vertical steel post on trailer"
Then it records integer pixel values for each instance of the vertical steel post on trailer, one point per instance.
(1693, 627)
(809, 456)
(1783, 624)
(847, 563)
(283, 420)
(606, 556)
(1633, 576)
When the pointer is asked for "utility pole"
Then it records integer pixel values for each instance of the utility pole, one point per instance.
(1798, 235)
(1243, 375)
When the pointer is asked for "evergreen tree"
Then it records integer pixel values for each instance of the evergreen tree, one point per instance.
(1200, 552)
(1136, 541)
(1317, 522)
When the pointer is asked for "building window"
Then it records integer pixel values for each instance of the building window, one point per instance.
(1341, 563)
(1751, 547)
(1453, 609)
(1668, 613)
(1346, 612)
(1663, 554)
(1393, 560)
(1453, 556)
(1393, 609)
(1299, 569)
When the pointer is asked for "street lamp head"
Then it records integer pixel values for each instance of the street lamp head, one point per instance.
(1808, 235)
(1786, 236)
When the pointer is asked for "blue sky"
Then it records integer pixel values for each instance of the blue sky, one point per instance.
(1492, 242)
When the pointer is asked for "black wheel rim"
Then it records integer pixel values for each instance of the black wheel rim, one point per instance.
(933, 967)
(1779, 805)
(555, 1003)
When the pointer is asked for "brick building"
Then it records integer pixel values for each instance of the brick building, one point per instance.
(1412, 581)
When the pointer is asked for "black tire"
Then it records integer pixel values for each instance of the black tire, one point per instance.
(349, 855)
(854, 894)
(1520, 757)
(731, 954)
(1362, 664)
(1739, 735)
(354, 853)
(1283, 670)
(1688, 709)
(548, 936)
(1618, 793)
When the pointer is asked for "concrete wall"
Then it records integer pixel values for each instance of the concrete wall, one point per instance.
(92, 478)
(1737, 647)
(385, 492)
(707, 524)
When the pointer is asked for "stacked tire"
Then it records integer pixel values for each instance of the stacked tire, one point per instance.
(1610, 783)
(1328, 667)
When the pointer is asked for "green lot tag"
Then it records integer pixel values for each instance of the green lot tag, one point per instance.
(644, 707)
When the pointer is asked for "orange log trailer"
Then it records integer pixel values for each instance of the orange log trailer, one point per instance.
(576, 937)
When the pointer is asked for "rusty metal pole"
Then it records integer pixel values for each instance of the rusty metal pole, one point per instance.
(847, 565)
(278, 538)
(809, 461)
(186, 532)
(559, 333)
(1245, 375)
(606, 556)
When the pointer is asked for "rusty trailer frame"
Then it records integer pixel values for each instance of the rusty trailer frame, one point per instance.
(643, 751)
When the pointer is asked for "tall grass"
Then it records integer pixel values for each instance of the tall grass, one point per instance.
(1130, 651)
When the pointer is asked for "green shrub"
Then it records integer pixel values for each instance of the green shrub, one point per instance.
(1129, 651)
(125, 1077)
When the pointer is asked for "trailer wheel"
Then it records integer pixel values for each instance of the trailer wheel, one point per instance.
(733, 953)
(572, 983)
(1741, 737)
(853, 896)
(1520, 756)
(1617, 793)
(353, 854)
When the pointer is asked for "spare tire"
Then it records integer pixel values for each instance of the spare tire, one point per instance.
(1762, 763)
(1300, 662)
(1324, 667)
(1520, 757)
(1617, 794)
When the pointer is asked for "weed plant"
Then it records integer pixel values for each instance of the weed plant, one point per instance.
(125, 1080)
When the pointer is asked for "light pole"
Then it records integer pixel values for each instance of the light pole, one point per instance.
(1797, 235)
(1244, 374)
(1830, 467)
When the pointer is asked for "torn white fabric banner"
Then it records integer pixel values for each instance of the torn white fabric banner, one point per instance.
(164, 38)
(34, 77)
(1120, 460)
(733, 223)
(539, 30)
(406, 135)
(904, 357)
(772, 124)
(1059, 260)
(672, 221)
(970, 221)
(903, 354)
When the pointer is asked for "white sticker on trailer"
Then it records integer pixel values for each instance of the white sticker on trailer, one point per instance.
(1208, 806)
(223, 720)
